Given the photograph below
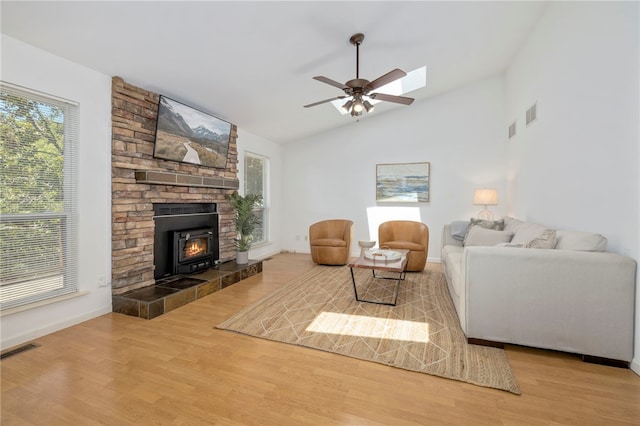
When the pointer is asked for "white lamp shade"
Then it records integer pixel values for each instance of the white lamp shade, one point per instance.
(486, 196)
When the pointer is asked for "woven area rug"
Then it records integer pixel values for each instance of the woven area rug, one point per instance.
(421, 333)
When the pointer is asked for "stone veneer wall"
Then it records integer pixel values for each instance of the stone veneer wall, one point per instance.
(138, 180)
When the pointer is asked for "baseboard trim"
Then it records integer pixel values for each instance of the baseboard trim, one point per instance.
(605, 361)
(33, 334)
(483, 342)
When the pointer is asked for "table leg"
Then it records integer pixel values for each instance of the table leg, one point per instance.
(401, 277)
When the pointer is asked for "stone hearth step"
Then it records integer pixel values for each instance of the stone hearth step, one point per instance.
(170, 293)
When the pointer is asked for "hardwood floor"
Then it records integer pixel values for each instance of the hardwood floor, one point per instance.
(178, 369)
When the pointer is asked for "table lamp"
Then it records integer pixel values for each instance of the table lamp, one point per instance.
(485, 197)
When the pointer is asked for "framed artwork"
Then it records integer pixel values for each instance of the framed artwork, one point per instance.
(187, 135)
(403, 182)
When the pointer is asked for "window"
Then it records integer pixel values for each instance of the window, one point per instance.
(38, 176)
(255, 182)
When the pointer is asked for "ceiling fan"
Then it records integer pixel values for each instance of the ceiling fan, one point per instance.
(359, 89)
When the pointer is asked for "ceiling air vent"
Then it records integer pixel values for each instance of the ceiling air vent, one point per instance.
(512, 130)
(531, 114)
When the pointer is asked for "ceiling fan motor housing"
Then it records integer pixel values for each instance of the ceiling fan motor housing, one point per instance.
(357, 85)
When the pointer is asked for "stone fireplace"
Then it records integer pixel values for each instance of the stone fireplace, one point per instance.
(143, 185)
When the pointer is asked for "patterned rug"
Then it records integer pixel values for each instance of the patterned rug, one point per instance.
(421, 333)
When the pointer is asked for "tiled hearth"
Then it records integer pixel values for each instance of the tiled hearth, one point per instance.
(170, 293)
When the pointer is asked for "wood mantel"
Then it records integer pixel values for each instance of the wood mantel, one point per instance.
(179, 179)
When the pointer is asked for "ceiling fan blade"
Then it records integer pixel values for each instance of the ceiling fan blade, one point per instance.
(325, 101)
(392, 98)
(330, 82)
(387, 78)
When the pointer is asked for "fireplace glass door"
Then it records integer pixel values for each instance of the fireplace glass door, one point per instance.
(192, 250)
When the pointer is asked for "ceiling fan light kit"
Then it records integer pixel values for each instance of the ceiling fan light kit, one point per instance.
(358, 91)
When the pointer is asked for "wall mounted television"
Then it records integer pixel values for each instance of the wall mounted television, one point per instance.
(187, 135)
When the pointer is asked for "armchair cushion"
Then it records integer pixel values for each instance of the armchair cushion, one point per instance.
(408, 235)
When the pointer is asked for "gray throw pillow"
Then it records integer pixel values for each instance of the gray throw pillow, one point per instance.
(496, 225)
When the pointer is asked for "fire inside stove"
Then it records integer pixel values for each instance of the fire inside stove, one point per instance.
(192, 250)
(195, 248)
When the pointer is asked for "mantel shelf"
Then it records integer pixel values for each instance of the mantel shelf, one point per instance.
(179, 179)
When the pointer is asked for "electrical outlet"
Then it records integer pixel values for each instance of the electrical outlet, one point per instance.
(102, 281)
(306, 238)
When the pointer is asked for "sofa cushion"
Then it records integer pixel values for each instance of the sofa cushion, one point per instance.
(509, 245)
(580, 241)
(479, 236)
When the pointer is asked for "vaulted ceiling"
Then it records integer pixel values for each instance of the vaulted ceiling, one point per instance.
(252, 63)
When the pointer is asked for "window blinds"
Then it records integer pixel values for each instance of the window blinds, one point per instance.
(38, 194)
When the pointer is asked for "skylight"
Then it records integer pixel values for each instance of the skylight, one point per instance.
(414, 80)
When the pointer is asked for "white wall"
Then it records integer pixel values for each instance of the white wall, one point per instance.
(35, 69)
(248, 142)
(577, 166)
(461, 133)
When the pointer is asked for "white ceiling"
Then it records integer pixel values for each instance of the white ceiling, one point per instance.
(252, 63)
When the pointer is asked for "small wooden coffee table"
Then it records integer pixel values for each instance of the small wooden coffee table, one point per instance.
(394, 261)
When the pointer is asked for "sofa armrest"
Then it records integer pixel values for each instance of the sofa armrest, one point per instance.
(447, 239)
(581, 302)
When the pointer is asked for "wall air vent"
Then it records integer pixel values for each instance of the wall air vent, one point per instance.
(512, 130)
(531, 114)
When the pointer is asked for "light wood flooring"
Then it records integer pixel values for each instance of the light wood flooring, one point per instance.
(178, 369)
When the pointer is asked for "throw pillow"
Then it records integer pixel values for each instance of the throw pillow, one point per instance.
(546, 240)
(581, 241)
(497, 225)
(479, 236)
(459, 229)
(527, 232)
(511, 224)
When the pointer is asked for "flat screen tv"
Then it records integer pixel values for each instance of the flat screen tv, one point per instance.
(187, 135)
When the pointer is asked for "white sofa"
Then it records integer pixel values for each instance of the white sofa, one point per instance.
(572, 296)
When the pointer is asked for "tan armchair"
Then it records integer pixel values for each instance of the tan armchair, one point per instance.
(408, 235)
(330, 241)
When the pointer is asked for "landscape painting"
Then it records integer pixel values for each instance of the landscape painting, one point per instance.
(190, 136)
(403, 182)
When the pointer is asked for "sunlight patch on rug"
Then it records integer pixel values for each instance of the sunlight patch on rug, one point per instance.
(364, 326)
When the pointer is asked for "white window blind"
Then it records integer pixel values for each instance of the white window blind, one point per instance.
(38, 193)
(255, 182)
